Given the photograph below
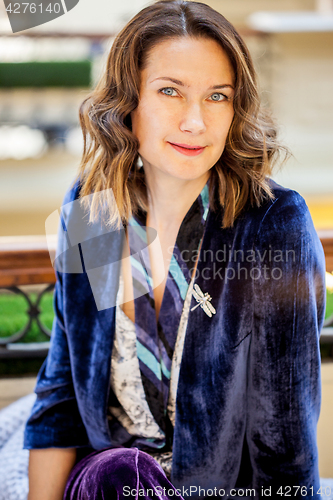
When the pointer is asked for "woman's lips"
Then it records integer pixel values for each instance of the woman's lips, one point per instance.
(187, 150)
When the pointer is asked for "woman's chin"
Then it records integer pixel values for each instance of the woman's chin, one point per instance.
(183, 173)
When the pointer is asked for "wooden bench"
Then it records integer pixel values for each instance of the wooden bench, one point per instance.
(25, 260)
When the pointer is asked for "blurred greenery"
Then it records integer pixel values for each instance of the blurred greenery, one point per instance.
(46, 74)
(13, 316)
(329, 304)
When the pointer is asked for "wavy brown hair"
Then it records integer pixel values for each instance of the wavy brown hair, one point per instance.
(238, 179)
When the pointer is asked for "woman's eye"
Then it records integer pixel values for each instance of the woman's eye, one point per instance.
(168, 91)
(217, 96)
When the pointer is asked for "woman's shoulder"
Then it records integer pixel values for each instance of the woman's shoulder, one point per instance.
(286, 197)
(286, 223)
(287, 212)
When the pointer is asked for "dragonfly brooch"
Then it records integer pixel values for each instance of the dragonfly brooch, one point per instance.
(203, 300)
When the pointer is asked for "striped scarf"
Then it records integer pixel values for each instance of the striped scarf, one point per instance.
(156, 339)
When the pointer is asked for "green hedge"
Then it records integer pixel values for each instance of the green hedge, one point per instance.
(13, 316)
(46, 74)
(329, 304)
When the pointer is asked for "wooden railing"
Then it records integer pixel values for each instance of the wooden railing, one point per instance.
(26, 260)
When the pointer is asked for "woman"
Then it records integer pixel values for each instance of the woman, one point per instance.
(210, 378)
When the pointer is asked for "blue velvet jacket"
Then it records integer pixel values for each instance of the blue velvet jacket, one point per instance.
(248, 396)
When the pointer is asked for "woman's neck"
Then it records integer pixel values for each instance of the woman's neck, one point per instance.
(169, 198)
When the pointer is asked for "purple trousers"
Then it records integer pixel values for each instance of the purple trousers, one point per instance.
(119, 474)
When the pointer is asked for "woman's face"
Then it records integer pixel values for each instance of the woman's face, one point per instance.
(185, 108)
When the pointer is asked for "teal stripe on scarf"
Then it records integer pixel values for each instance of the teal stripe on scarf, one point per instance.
(179, 277)
(148, 359)
(205, 201)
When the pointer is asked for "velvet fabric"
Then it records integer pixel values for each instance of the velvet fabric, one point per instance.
(118, 474)
(248, 395)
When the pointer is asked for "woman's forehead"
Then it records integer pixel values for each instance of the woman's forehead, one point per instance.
(188, 60)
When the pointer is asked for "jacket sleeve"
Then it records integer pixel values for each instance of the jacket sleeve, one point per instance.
(55, 420)
(284, 365)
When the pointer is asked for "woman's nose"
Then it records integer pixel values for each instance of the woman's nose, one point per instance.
(193, 120)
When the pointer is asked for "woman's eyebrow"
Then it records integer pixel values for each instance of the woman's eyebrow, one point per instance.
(178, 82)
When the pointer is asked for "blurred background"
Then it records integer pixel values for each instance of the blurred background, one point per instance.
(46, 72)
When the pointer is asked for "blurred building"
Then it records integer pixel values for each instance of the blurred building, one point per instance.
(45, 73)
